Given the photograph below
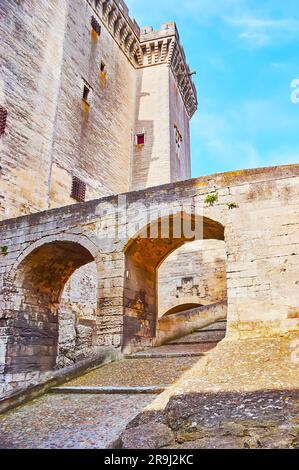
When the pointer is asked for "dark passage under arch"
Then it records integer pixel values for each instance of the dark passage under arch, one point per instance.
(35, 297)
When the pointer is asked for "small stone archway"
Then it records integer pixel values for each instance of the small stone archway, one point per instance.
(181, 308)
(143, 256)
(34, 292)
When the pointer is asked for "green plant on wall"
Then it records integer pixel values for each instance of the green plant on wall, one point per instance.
(211, 199)
(4, 250)
(232, 205)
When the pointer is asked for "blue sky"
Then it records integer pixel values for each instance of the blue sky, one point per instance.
(246, 54)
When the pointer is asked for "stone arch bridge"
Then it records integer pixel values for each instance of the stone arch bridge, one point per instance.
(256, 212)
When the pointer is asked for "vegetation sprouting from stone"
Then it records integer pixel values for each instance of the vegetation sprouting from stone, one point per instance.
(232, 205)
(211, 199)
(4, 250)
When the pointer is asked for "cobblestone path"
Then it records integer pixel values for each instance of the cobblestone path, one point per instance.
(83, 415)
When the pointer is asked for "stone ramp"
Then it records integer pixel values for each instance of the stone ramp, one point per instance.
(177, 350)
(218, 325)
(202, 336)
(136, 372)
(92, 411)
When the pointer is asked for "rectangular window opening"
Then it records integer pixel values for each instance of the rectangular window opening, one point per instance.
(86, 91)
(95, 26)
(103, 67)
(140, 139)
(78, 189)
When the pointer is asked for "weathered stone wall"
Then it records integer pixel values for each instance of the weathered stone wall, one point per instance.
(29, 91)
(92, 142)
(39, 252)
(52, 134)
(194, 274)
(77, 317)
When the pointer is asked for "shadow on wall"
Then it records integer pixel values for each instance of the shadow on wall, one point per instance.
(142, 154)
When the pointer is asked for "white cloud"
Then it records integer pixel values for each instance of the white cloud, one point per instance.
(258, 32)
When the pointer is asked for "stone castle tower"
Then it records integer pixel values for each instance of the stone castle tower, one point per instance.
(93, 105)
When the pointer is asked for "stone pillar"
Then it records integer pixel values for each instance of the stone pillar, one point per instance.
(111, 299)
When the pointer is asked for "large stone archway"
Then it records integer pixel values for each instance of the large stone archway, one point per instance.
(32, 303)
(144, 255)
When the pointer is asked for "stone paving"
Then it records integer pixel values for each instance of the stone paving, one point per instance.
(87, 421)
(169, 350)
(134, 372)
(69, 421)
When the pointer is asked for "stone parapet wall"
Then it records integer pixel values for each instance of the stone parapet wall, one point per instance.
(175, 326)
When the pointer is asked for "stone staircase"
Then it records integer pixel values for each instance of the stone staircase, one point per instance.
(91, 411)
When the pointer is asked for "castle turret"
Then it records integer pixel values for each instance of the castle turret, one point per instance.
(166, 100)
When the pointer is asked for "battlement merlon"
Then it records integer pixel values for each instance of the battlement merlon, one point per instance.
(145, 47)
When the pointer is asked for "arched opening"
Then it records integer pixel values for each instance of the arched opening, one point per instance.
(181, 308)
(194, 275)
(192, 289)
(144, 256)
(78, 316)
(38, 287)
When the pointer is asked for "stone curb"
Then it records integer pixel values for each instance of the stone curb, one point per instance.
(108, 390)
(163, 355)
(186, 343)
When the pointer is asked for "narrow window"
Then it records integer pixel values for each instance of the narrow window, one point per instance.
(78, 189)
(140, 139)
(3, 118)
(87, 91)
(178, 142)
(95, 26)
